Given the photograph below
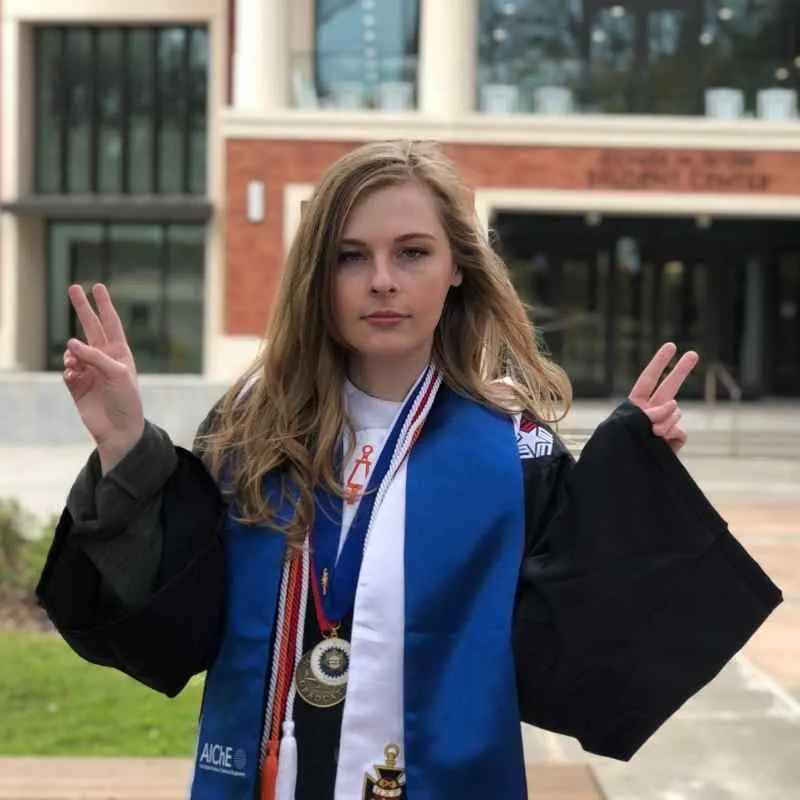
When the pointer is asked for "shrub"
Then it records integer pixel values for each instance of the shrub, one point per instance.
(23, 549)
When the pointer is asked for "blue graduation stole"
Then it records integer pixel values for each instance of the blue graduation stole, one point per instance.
(463, 546)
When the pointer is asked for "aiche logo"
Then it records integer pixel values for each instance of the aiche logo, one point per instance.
(222, 758)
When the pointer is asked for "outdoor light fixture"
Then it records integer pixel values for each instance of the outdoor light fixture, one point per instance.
(255, 201)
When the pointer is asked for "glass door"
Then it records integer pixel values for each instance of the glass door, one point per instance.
(786, 323)
(565, 287)
(578, 333)
(659, 288)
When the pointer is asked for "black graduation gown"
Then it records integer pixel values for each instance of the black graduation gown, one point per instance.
(633, 594)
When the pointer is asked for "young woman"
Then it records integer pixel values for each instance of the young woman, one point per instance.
(379, 550)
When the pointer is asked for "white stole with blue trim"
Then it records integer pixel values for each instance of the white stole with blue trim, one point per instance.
(373, 712)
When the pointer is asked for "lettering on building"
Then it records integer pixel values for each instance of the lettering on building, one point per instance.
(679, 171)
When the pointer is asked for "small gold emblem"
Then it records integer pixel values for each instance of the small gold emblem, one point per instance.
(389, 780)
(326, 578)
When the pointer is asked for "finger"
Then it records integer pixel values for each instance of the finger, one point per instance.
(677, 438)
(660, 414)
(109, 317)
(72, 362)
(79, 382)
(671, 385)
(93, 357)
(92, 327)
(663, 429)
(648, 380)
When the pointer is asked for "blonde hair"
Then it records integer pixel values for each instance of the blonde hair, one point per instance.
(285, 416)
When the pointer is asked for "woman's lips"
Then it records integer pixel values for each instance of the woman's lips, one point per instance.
(385, 318)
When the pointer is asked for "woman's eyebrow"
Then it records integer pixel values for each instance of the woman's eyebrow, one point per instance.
(405, 237)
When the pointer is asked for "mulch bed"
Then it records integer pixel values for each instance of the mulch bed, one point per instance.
(22, 614)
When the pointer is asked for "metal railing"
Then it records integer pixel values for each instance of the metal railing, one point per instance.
(717, 374)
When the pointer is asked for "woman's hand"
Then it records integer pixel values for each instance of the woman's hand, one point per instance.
(101, 377)
(658, 401)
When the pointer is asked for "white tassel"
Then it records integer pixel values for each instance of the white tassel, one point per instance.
(286, 781)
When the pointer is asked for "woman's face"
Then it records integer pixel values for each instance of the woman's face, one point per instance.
(394, 270)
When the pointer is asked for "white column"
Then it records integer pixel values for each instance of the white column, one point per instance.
(261, 55)
(9, 170)
(448, 56)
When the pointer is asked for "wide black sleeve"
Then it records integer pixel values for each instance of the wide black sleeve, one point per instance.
(135, 578)
(633, 593)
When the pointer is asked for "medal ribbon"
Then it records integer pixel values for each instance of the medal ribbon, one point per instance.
(332, 607)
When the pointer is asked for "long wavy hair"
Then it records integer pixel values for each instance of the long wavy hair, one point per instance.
(285, 415)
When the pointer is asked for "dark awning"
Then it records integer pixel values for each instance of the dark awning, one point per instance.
(131, 208)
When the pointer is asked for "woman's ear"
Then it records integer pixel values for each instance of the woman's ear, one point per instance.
(457, 278)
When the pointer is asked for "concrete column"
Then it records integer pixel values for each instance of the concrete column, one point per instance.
(261, 55)
(447, 57)
(10, 104)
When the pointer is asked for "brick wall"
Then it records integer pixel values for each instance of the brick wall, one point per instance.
(254, 252)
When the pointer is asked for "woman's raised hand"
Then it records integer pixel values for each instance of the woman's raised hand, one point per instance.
(659, 401)
(101, 377)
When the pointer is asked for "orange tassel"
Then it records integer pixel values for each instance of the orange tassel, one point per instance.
(269, 773)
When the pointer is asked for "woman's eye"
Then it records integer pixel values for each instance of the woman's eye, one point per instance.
(414, 253)
(348, 257)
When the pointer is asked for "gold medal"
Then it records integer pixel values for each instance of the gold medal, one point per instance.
(321, 675)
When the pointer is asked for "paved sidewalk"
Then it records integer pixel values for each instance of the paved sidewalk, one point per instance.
(167, 779)
(739, 738)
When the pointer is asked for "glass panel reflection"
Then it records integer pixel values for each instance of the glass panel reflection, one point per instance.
(723, 58)
(360, 54)
(51, 111)
(155, 273)
(79, 88)
(121, 110)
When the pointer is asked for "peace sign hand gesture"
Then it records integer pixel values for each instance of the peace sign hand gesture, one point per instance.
(101, 377)
(658, 401)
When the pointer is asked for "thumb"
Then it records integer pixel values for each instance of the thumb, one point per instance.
(103, 363)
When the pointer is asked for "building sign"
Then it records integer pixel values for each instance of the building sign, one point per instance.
(708, 171)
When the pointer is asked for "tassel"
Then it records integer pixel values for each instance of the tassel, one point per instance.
(269, 772)
(286, 781)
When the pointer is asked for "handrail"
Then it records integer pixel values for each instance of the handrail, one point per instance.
(717, 373)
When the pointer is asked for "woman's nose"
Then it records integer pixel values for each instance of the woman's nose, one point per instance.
(383, 280)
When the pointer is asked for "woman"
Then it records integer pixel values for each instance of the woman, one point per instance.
(379, 549)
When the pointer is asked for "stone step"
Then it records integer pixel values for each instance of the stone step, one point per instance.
(719, 444)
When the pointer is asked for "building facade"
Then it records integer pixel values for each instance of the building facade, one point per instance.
(638, 163)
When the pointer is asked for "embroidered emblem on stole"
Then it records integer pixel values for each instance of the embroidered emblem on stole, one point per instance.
(390, 781)
(533, 441)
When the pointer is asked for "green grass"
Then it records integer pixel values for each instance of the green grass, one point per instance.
(54, 703)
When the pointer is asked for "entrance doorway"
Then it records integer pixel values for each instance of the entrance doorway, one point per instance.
(606, 291)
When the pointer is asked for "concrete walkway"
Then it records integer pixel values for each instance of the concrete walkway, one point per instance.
(739, 738)
(167, 779)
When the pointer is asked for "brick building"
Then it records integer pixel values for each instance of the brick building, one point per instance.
(639, 161)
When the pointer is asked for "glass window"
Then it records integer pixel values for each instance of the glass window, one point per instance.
(109, 110)
(365, 54)
(721, 58)
(135, 280)
(155, 273)
(140, 122)
(51, 111)
(79, 71)
(121, 110)
(198, 110)
(184, 292)
(173, 106)
(74, 255)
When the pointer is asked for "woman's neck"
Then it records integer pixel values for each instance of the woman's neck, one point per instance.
(387, 379)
